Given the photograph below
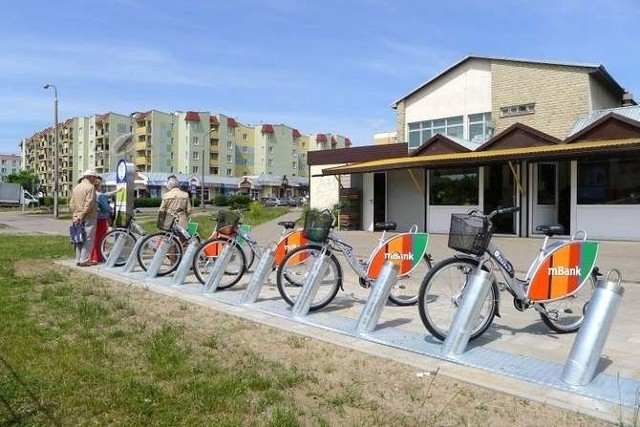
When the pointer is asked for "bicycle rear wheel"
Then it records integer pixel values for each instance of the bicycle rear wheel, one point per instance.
(109, 240)
(566, 315)
(407, 287)
(209, 252)
(150, 245)
(440, 295)
(295, 269)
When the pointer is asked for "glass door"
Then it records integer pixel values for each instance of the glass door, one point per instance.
(545, 195)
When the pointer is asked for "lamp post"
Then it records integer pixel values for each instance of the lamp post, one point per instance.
(55, 148)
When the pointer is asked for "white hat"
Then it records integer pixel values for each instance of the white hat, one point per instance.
(90, 172)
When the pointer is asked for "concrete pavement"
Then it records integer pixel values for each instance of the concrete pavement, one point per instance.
(520, 334)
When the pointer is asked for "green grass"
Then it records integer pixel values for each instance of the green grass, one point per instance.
(75, 353)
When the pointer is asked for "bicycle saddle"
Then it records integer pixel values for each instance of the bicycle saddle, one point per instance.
(385, 226)
(288, 225)
(550, 230)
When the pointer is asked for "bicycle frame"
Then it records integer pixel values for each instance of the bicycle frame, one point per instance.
(545, 280)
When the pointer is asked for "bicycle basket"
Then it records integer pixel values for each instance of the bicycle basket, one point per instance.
(317, 226)
(469, 234)
(162, 218)
(227, 222)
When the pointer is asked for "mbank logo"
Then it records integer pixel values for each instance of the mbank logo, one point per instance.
(397, 256)
(289, 248)
(564, 271)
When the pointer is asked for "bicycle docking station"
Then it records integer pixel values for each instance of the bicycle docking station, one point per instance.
(378, 297)
(185, 263)
(587, 347)
(114, 254)
(218, 270)
(260, 275)
(310, 287)
(475, 292)
(133, 259)
(158, 257)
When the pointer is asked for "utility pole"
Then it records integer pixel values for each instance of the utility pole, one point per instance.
(202, 184)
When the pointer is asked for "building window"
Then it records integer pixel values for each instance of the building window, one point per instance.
(230, 145)
(245, 149)
(229, 173)
(195, 140)
(229, 158)
(609, 182)
(270, 162)
(194, 169)
(270, 149)
(453, 187)
(244, 136)
(419, 132)
(480, 128)
(518, 110)
(195, 155)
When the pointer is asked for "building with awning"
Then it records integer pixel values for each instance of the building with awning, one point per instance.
(559, 140)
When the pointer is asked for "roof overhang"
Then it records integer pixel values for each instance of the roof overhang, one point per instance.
(481, 158)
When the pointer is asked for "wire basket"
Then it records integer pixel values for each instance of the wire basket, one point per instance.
(469, 234)
(227, 222)
(317, 226)
(162, 217)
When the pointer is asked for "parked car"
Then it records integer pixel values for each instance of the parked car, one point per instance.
(290, 201)
(271, 201)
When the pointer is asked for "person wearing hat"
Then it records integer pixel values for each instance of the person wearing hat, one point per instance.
(83, 207)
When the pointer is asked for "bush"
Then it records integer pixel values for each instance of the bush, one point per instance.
(256, 209)
(48, 201)
(147, 202)
(239, 201)
(221, 200)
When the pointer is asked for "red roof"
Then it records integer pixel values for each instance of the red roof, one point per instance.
(213, 120)
(321, 137)
(267, 129)
(192, 116)
(295, 133)
(347, 142)
(232, 122)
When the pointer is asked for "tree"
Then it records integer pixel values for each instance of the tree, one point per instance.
(28, 180)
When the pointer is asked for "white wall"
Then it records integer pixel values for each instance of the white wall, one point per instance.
(406, 199)
(323, 190)
(465, 90)
(608, 222)
(601, 97)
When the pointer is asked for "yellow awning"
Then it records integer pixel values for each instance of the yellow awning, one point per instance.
(479, 158)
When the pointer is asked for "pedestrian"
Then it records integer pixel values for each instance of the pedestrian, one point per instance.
(84, 211)
(103, 219)
(175, 201)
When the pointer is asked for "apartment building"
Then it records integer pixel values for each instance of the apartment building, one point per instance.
(9, 164)
(183, 142)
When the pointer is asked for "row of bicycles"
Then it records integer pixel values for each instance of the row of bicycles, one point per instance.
(558, 283)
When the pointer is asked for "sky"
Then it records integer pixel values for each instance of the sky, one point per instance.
(321, 66)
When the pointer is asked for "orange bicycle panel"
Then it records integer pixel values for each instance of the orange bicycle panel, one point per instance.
(563, 271)
(288, 243)
(214, 249)
(405, 250)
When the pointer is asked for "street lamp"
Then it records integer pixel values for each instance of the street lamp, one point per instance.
(55, 149)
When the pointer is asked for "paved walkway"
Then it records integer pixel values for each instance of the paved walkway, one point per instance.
(515, 333)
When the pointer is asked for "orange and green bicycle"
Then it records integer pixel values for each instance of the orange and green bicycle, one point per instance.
(407, 250)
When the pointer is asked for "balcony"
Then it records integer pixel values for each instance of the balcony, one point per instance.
(141, 160)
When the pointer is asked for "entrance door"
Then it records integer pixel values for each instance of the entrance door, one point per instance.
(499, 191)
(379, 197)
(545, 194)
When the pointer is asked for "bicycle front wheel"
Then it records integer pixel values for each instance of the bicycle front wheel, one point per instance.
(150, 245)
(295, 269)
(440, 295)
(567, 314)
(209, 252)
(405, 291)
(109, 240)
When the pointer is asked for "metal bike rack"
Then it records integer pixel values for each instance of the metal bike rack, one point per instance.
(310, 288)
(473, 296)
(260, 275)
(219, 267)
(380, 291)
(587, 348)
(131, 261)
(157, 258)
(115, 253)
(185, 263)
